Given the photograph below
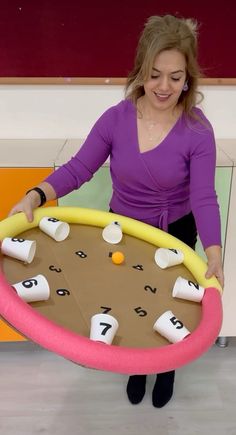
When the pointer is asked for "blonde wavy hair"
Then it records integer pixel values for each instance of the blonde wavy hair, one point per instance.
(165, 33)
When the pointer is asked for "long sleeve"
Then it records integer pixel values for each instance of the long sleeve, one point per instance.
(203, 197)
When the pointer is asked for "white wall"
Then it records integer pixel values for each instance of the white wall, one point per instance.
(39, 111)
(220, 106)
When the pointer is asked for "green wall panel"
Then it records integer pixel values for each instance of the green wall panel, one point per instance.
(223, 185)
(94, 194)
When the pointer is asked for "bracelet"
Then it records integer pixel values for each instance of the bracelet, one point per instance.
(41, 193)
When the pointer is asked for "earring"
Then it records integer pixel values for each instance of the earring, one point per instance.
(185, 87)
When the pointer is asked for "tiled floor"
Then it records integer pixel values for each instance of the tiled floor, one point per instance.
(41, 393)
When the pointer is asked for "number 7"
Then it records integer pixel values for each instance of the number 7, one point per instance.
(107, 327)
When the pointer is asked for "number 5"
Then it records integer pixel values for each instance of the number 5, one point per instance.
(176, 322)
(140, 311)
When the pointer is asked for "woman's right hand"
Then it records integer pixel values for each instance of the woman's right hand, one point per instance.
(32, 200)
(27, 205)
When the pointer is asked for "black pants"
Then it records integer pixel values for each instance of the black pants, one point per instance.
(185, 230)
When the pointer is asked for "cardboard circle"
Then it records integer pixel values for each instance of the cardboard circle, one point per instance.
(84, 351)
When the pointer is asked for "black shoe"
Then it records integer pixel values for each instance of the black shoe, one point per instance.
(136, 388)
(163, 389)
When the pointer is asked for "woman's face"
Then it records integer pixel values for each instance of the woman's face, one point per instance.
(167, 79)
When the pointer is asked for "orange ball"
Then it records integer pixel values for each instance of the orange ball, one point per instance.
(118, 257)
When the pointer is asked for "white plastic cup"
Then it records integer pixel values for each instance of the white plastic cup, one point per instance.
(33, 289)
(19, 248)
(168, 257)
(170, 327)
(112, 233)
(189, 290)
(103, 328)
(54, 228)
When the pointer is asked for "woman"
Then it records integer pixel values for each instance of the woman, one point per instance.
(162, 156)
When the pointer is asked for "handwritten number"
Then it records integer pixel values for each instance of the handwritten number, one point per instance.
(174, 250)
(140, 311)
(54, 269)
(148, 287)
(177, 323)
(14, 239)
(53, 219)
(138, 267)
(194, 284)
(63, 292)
(106, 309)
(107, 327)
(81, 254)
(29, 283)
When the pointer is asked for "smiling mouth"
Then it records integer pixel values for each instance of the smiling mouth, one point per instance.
(162, 96)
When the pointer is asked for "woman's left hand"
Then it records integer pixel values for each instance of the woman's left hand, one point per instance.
(215, 267)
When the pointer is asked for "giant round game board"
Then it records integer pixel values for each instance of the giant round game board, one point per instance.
(84, 281)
